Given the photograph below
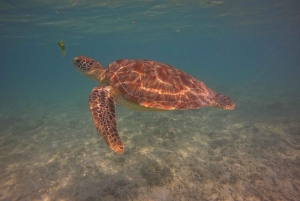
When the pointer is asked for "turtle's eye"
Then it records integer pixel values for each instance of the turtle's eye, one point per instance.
(77, 60)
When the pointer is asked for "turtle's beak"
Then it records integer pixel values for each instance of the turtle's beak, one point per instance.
(75, 62)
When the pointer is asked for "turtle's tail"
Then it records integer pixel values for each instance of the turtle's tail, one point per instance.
(223, 102)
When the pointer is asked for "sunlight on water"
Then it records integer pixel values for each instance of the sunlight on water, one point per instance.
(163, 19)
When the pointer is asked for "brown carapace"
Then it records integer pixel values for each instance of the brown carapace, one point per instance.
(142, 85)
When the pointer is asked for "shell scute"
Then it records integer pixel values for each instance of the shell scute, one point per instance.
(156, 85)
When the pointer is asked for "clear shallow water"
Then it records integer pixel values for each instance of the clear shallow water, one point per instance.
(248, 51)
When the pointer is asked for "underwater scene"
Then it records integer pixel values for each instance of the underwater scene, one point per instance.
(249, 51)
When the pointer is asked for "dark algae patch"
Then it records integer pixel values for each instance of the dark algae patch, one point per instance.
(156, 174)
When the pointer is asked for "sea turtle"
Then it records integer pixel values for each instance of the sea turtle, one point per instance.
(141, 85)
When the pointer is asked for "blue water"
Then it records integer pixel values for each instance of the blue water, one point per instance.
(247, 50)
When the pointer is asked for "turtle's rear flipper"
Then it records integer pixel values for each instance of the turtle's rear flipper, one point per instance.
(223, 102)
(102, 107)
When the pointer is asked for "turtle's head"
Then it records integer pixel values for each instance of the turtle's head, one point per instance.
(89, 68)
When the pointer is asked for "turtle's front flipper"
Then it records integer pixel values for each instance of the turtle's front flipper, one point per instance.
(102, 107)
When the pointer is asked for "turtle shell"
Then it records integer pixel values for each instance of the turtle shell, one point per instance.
(156, 85)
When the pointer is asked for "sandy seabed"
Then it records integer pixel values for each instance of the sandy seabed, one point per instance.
(252, 153)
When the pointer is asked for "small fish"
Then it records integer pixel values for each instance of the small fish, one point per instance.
(62, 47)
